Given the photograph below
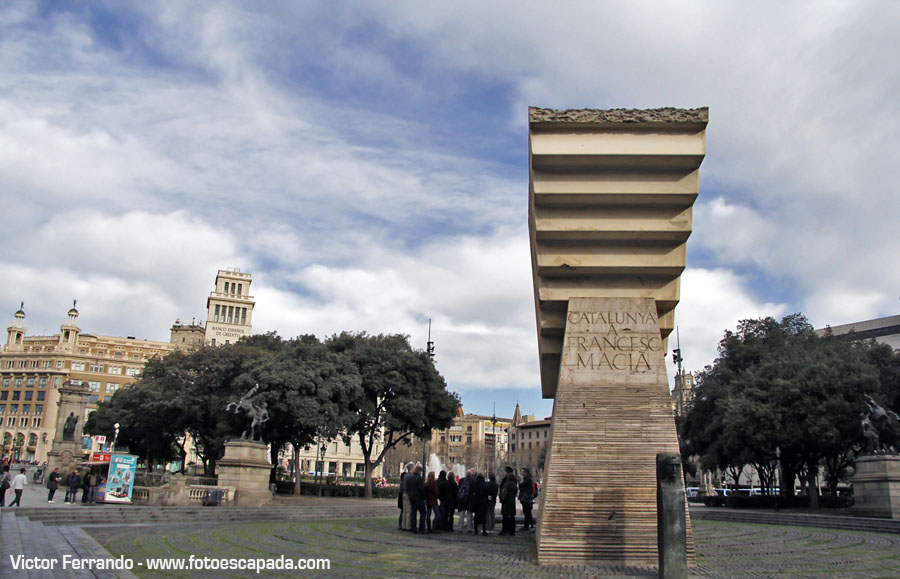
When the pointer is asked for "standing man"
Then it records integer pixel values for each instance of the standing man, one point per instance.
(405, 506)
(72, 484)
(5, 481)
(18, 485)
(52, 484)
(526, 497)
(415, 488)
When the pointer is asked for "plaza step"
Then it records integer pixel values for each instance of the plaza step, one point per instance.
(278, 510)
(843, 522)
(32, 539)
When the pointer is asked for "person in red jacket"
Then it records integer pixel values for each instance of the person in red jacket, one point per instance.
(431, 504)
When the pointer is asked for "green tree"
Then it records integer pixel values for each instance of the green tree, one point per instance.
(149, 419)
(308, 389)
(776, 390)
(401, 394)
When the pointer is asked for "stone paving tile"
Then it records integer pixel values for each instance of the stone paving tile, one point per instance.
(374, 548)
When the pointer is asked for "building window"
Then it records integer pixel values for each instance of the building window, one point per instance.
(216, 315)
(112, 388)
(29, 394)
(115, 369)
(78, 366)
(2, 408)
(133, 371)
(11, 421)
(26, 409)
(42, 383)
(38, 408)
(92, 399)
(23, 422)
(46, 364)
(17, 395)
(57, 380)
(96, 368)
(4, 395)
(76, 382)
(59, 364)
(6, 382)
(18, 382)
(30, 382)
(94, 386)
(13, 408)
(468, 440)
(36, 422)
(41, 395)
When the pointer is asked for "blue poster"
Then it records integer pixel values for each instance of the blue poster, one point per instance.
(120, 481)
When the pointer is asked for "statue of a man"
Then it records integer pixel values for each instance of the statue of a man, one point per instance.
(69, 427)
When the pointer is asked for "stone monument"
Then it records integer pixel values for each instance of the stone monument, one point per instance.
(876, 483)
(610, 205)
(65, 451)
(245, 466)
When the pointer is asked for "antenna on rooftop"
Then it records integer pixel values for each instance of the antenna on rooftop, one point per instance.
(429, 346)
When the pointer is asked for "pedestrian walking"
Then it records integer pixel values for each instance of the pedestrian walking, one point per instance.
(449, 505)
(18, 485)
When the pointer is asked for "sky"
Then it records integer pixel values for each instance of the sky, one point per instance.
(367, 163)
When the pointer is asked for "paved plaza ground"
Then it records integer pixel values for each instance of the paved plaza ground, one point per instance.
(373, 547)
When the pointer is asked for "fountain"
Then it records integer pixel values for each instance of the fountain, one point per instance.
(436, 466)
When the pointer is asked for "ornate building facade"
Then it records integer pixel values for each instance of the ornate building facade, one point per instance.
(32, 368)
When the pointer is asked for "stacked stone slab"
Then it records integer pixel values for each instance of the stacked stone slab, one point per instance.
(611, 196)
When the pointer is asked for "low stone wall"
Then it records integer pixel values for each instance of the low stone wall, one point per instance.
(179, 492)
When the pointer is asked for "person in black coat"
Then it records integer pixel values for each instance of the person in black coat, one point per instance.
(493, 491)
(480, 500)
(52, 484)
(415, 487)
(526, 497)
(72, 484)
(452, 489)
(508, 491)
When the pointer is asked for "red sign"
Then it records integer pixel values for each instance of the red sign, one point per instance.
(100, 456)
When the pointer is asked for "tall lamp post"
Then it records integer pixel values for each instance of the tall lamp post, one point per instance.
(322, 448)
(115, 436)
(429, 349)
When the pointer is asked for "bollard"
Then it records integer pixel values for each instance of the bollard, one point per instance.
(670, 517)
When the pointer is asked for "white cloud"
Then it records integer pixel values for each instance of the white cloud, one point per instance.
(713, 301)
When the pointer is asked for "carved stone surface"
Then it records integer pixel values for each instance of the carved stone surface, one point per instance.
(611, 417)
(876, 487)
(246, 467)
(661, 115)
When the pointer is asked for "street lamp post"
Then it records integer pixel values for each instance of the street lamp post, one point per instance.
(323, 448)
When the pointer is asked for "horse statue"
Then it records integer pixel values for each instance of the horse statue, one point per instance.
(258, 415)
(880, 428)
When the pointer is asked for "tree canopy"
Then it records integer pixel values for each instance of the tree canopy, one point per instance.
(778, 392)
(374, 389)
(402, 394)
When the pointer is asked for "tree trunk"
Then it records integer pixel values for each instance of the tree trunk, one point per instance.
(812, 486)
(296, 469)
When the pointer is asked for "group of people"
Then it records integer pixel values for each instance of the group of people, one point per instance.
(74, 482)
(16, 483)
(88, 484)
(431, 505)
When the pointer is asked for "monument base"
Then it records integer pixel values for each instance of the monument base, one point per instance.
(611, 417)
(246, 467)
(876, 487)
(65, 454)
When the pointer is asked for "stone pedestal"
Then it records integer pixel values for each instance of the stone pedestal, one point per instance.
(66, 451)
(876, 487)
(611, 417)
(246, 467)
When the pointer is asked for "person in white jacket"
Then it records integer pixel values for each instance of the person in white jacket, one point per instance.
(18, 485)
